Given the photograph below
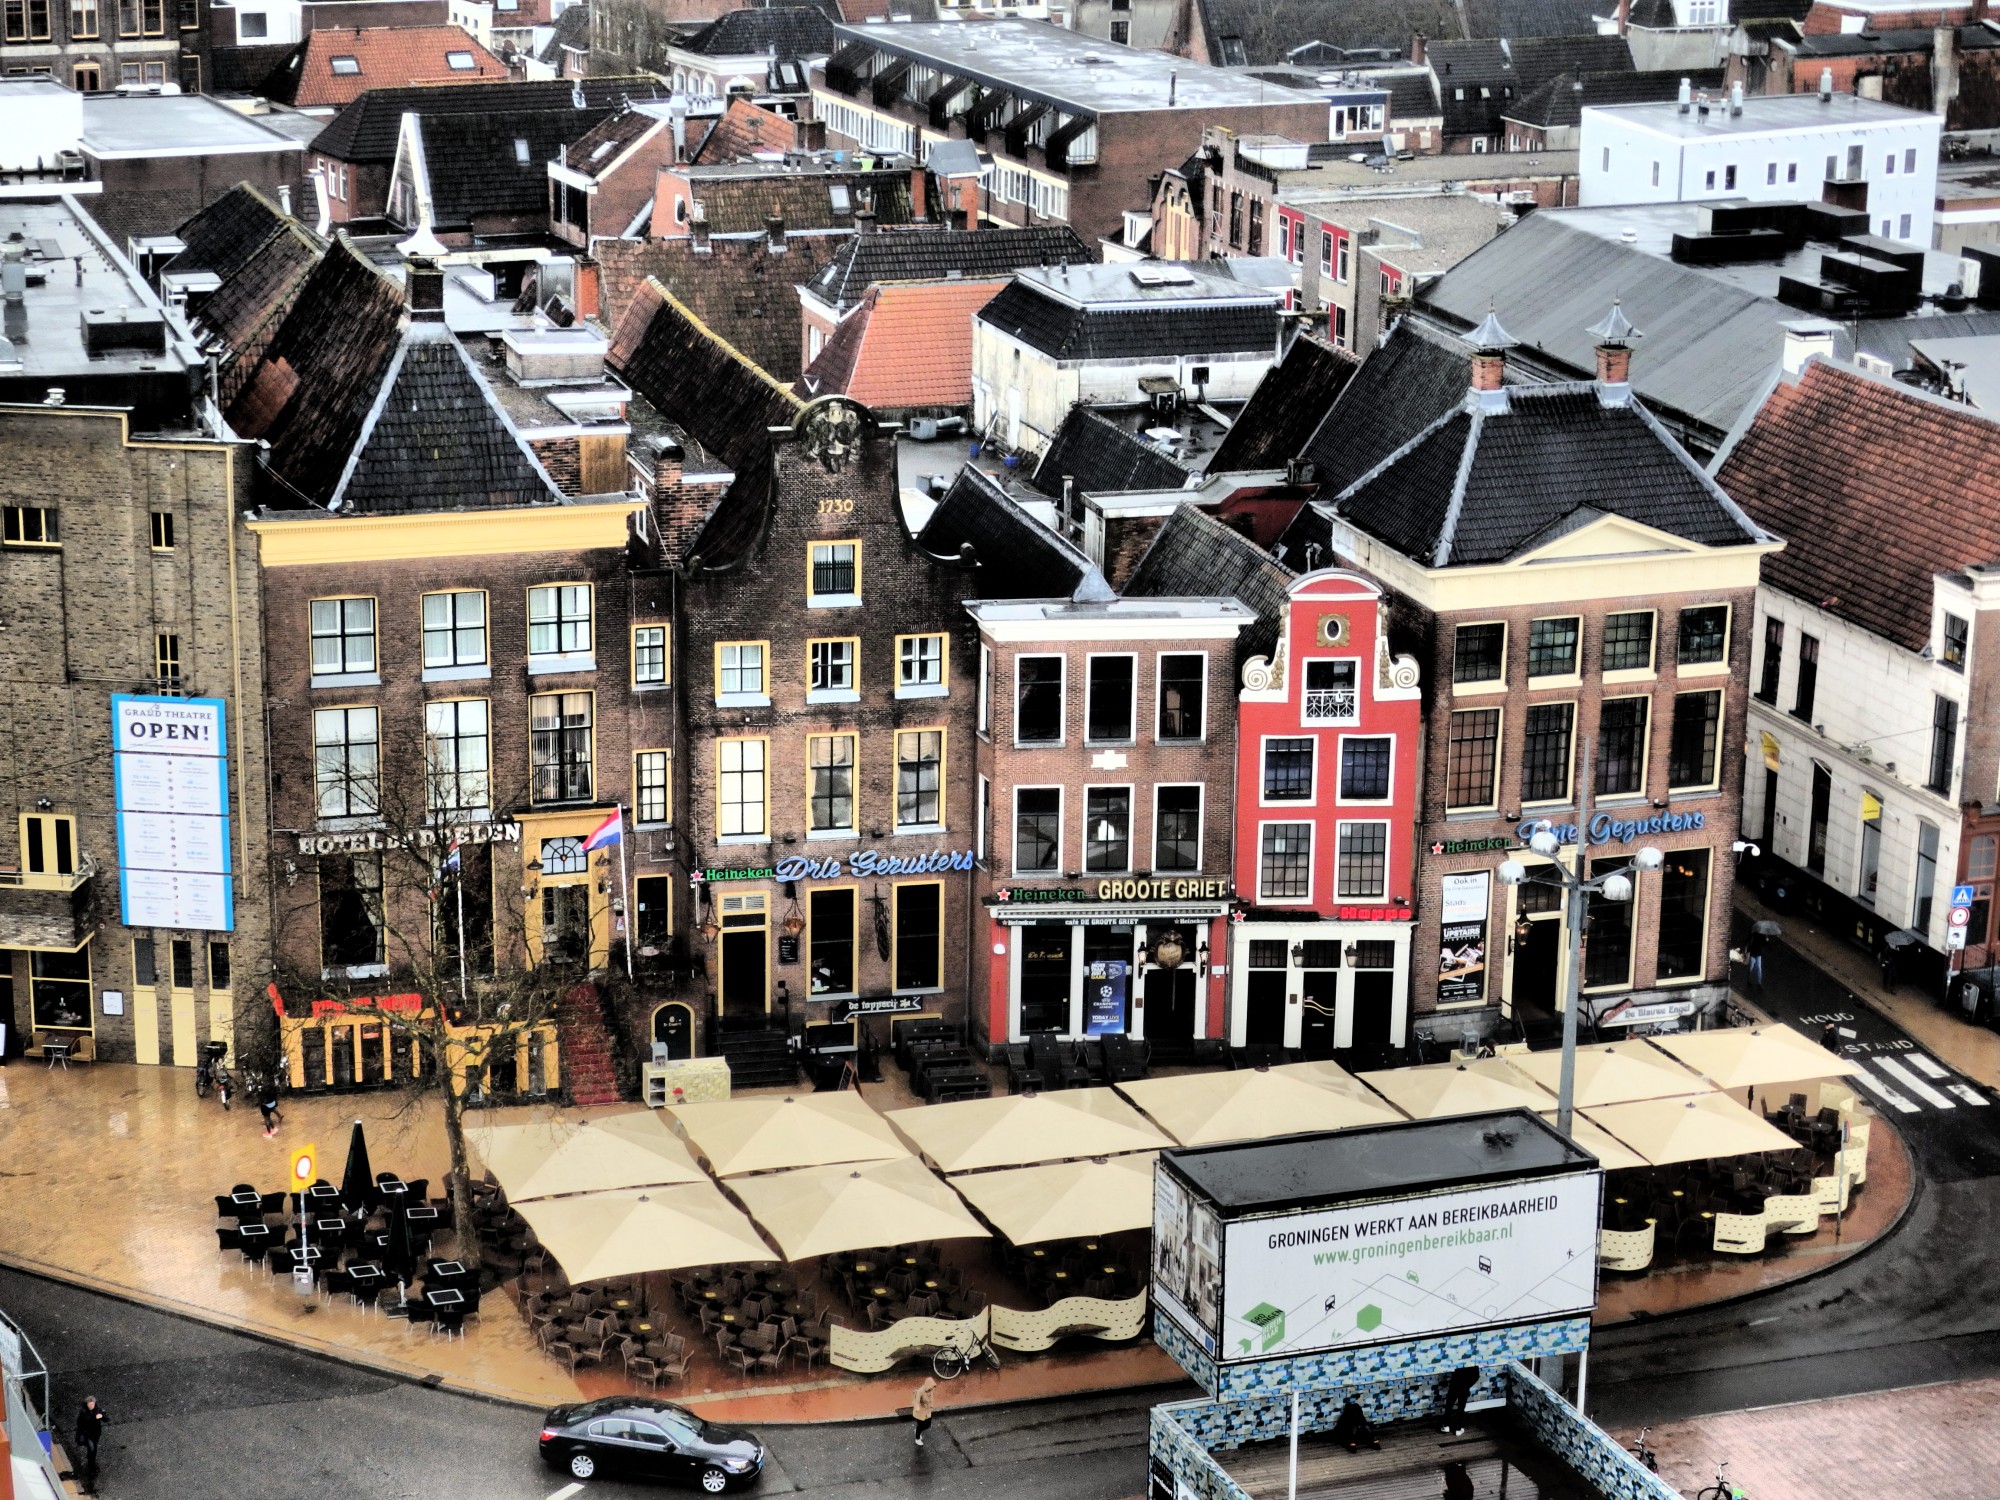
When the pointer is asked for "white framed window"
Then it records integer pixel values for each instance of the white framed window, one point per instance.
(741, 679)
(1039, 689)
(1038, 830)
(347, 764)
(1367, 767)
(830, 670)
(1180, 689)
(1111, 703)
(1332, 691)
(457, 751)
(343, 641)
(833, 575)
(1107, 829)
(454, 635)
(1284, 862)
(920, 666)
(1177, 827)
(559, 628)
(985, 706)
(649, 656)
(1288, 768)
(1361, 862)
(741, 789)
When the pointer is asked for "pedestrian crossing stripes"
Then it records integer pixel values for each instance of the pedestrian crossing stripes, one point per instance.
(1908, 1078)
(1910, 1081)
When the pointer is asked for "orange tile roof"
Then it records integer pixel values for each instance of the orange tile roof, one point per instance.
(384, 57)
(908, 345)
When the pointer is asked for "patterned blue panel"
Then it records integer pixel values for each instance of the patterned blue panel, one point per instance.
(1580, 1442)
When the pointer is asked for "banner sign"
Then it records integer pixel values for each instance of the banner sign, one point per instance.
(1107, 985)
(170, 781)
(1462, 937)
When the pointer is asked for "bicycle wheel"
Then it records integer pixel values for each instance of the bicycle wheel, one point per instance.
(992, 1355)
(947, 1364)
(201, 1085)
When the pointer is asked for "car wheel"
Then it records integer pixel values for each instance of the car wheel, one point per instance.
(582, 1465)
(713, 1480)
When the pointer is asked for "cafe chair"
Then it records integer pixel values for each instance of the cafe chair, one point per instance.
(643, 1370)
(675, 1368)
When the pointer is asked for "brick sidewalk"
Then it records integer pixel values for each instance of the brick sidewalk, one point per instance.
(1937, 1442)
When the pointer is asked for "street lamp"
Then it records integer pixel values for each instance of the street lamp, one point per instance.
(1577, 887)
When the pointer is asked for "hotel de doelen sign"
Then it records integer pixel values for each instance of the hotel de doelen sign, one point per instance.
(1408, 1268)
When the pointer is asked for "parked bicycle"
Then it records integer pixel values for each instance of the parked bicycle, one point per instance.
(1724, 1488)
(1644, 1454)
(949, 1361)
(212, 1076)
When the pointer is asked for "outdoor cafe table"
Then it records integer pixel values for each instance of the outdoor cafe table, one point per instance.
(422, 1218)
(366, 1273)
(248, 1202)
(446, 1270)
(310, 1256)
(320, 1194)
(255, 1231)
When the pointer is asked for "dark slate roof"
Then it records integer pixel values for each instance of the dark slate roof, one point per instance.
(1099, 457)
(474, 160)
(1538, 18)
(785, 32)
(1240, 32)
(1416, 376)
(1195, 554)
(436, 440)
(620, 132)
(316, 380)
(247, 70)
(1494, 75)
(228, 232)
(251, 304)
(1561, 101)
(805, 201)
(1769, 10)
(696, 379)
(1482, 486)
(365, 131)
(1015, 556)
(1286, 409)
(571, 33)
(1065, 332)
(935, 254)
(1412, 96)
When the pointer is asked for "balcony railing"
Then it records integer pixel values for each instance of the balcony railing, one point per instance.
(46, 911)
(72, 880)
(1332, 706)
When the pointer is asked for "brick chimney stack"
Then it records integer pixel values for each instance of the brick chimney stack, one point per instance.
(1490, 343)
(1613, 338)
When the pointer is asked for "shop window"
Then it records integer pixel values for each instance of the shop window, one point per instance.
(1288, 769)
(561, 746)
(1545, 756)
(1621, 746)
(1374, 954)
(350, 910)
(1109, 706)
(1479, 654)
(218, 966)
(145, 960)
(649, 656)
(655, 895)
(1925, 892)
(1552, 646)
(833, 574)
(1183, 682)
(1944, 745)
(1957, 637)
(1774, 661)
(1332, 694)
(1818, 818)
(59, 987)
(830, 928)
(1684, 915)
(1038, 700)
(1704, 635)
(918, 948)
(1607, 937)
(652, 803)
(1628, 642)
(740, 789)
(919, 779)
(1362, 860)
(346, 762)
(343, 637)
(1043, 952)
(454, 630)
(1319, 953)
(1177, 827)
(1806, 692)
(1474, 758)
(1107, 829)
(1692, 752)
(1037, 829)
(456, 755)
(1285, 862)
(1364, 768)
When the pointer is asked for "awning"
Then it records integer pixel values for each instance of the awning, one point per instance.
(1617, 1073)
(1751, 1056)
(1249, 1104)
(1706, 1127)
(818, 1210)
(774, 1135)
(1439, 1090)
(545, 1158)
(1023, 1129)
(596, 1235)
(1612, 1154)
(1064, 1201)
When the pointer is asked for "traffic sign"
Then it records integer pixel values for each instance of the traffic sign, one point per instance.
(305, 1166)
(1954, 939)
(1961, 895)
(1960, 917)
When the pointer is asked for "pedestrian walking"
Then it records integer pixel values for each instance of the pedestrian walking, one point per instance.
(921, 1408)
(90, 1420)
(267, 1102)
(1754, 950)
(1457, 1391)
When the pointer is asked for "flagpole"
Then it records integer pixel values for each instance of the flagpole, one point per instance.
(458, 887)
(625, 889)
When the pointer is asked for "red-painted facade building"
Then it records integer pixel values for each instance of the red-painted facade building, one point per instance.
(1328, 731)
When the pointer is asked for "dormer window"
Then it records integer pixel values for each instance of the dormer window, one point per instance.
(521, 149)
(345, 67)
(1332, 692)
(460, 62)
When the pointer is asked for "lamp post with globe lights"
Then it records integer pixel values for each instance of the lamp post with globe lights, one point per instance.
(1577, 887)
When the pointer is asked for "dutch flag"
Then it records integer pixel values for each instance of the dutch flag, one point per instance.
(610, 831)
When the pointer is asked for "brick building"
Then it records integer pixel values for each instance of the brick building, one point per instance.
(1565, 576)
(86, 47)
(601, 184)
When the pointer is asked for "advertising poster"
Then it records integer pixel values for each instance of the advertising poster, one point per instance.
(1108, 981)
(1187, 1274)
(1410, 1268)
(1462, 938)
(170, 774)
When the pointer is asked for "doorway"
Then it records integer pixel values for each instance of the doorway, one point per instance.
(1320, 1022)
(673, 1024)
(1375, 1010)
(566, 924)
(1045, 979)
(1537, 962)
(1170, 1000)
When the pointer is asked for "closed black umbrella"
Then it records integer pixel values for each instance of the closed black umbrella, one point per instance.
(399, 1256)
(357, 1183)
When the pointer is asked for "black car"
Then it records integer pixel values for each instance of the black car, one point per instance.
(631, 1435)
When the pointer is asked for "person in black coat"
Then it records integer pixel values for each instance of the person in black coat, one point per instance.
(1457, 1391)
(90, 1420)
(1351, 1427)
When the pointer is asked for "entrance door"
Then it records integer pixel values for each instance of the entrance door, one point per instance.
(673, 1024)
(1264, 1008)
(1170, 998)
(1537, 957)
(743, 981)
(1375, 1007)
(566, 924)
(1045, 978)
(1321, 1019)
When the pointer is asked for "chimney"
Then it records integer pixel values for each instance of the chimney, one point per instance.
(1624, 17)
(1418, 44)
(1805, 338)
(920, 187)
(1613, 339)
(1490, 343)
(774, 233)
(285, 199)
(864, 221)
(1736, 99)
(698, 230)
(1944, 69)
(677, 121)
(1826, 85)
(424, 290)
(1686, 95)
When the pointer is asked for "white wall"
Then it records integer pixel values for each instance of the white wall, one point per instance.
(37, 119)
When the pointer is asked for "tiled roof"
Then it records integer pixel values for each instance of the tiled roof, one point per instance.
(695, 378)
(909, 345)
(1193, 554)
(806, 201)
(571, 34)
(436, 440)
(222, 236)
(745, 127)
(933, 254)
(1481, 486)
(1875, 488)
(742, 291)
(246, 311)
(496, 163)
(1065, 332)
(365, 131)
(599, 148)
(1412, 379)
(1240, 32)
(1561, 100)
(1014, 556)
(316, 380)
(1286, 409)
(1412, 96)
(1494, 75)
(247, 70)
(785, 32)
(383, 57)
(1097, 456)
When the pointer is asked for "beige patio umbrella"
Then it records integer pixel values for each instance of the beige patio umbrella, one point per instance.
(1704, 1127)
(595, 1235)
(1615, 1073)
(544, 1158)
(1066, 1200)
(1612, 1154)
(773, 1135)
(1023, 1129)
(818, 1210)
(1249, 1104)
(1439, 1090)
(1753, 1056)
